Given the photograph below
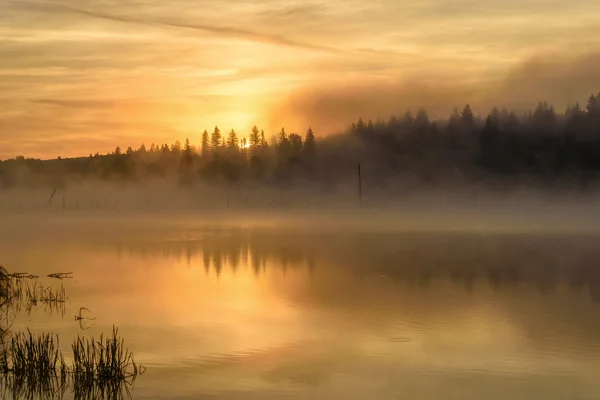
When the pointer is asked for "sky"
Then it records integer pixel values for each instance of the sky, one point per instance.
(81, 76)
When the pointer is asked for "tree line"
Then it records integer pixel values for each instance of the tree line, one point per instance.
(542, 144)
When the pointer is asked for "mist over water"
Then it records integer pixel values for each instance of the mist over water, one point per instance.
(332, 303)
(111, 209)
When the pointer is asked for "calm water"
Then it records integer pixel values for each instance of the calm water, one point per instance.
(273, 313)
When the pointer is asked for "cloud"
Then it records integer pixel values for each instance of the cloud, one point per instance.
(222, 31)
(83, 104)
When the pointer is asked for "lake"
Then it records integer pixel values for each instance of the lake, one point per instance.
(269, 312)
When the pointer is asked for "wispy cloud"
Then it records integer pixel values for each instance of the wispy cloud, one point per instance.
(218, 30)
(81, 104)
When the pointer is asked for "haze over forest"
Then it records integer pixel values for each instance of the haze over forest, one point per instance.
(542, 146)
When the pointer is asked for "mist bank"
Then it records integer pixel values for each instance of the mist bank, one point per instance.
(165, 207)
(558, 77)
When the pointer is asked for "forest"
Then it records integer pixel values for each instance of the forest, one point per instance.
(542, 145)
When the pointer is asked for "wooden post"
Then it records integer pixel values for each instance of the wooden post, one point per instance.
(359, 187)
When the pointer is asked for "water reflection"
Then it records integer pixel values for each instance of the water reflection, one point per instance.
(543, 262)
(271, 314)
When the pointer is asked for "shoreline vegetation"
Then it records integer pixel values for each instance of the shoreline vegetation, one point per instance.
(33, 366)
(542, 146)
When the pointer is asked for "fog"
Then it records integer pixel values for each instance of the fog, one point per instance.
(114, 209)
(555, 76)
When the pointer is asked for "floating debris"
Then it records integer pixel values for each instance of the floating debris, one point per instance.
(61, 275)
(82, 320)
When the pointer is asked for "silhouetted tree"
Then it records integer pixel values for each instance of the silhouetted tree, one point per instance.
(187, 155)
(309, 143)
(593, 106)
(360, 126)
(295, 141)
(370, 126)
(467, 116)
(176, 147)
(263, 141)
(205, 144)
(254, 138)
(282, 140)
(232, 141)
(215, 138)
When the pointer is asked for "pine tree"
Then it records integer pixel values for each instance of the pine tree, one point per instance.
(205, 143)
(295, 141)
(263, 141)
(577, 111)
(186, 154)
(360, 125)
(467, 116)
(215, 138)
(255, 140)
(422, 119)
(309, 143)
(593, 106)
(232, 141)
(282, 139)
(283, 146)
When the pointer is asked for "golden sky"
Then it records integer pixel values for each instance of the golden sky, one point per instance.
(80, 76)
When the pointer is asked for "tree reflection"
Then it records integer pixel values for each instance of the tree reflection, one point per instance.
(467, 260)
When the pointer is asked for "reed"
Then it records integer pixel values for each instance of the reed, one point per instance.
(33, 366)
(17, 291)
(103, 360)
(35, 356)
